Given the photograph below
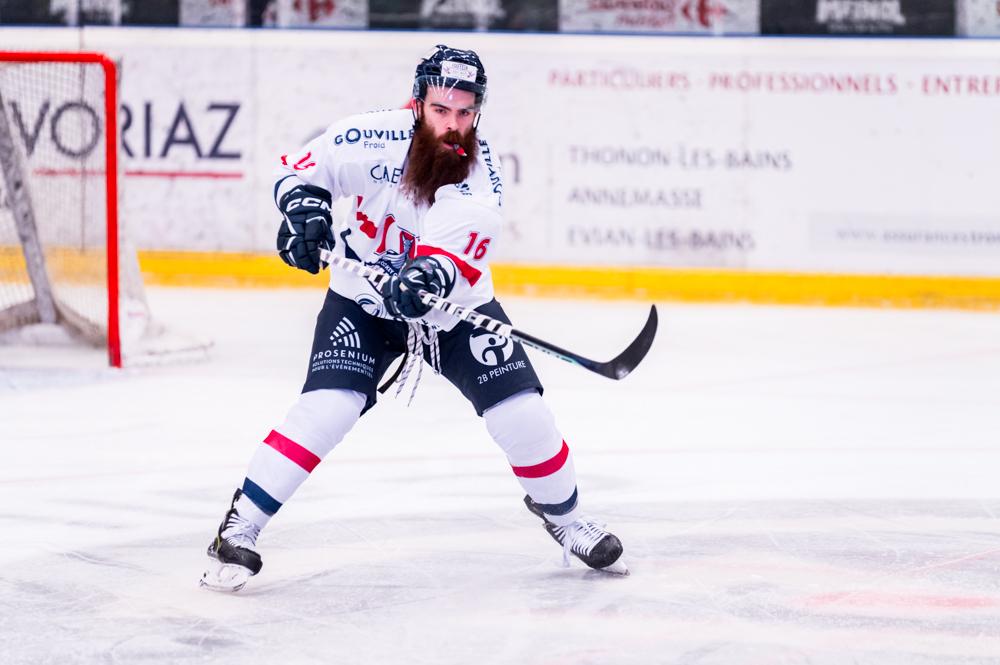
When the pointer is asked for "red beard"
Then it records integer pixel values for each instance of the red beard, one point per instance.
(431, 164)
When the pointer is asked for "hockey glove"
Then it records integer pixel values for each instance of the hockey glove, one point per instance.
(306, 228)
(423, 273)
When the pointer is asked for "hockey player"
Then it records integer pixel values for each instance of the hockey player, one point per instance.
(426, 190)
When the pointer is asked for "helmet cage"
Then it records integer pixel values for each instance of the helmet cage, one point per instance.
(421, 83)
(446, 67)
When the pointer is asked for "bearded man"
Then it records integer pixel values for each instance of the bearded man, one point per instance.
(426, 192)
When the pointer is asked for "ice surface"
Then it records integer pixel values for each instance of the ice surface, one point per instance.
(792, 486)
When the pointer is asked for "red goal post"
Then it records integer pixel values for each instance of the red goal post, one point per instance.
(19, 188)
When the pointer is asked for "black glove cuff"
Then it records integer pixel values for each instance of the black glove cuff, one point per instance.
(303, 193)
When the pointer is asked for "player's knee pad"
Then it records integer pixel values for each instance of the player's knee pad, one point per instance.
(523, 427)
(319, 419)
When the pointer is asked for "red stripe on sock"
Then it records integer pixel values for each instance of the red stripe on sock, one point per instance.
(546, 468)
(292, 450)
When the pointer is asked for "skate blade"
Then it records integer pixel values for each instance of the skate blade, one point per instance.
(225, 577)
(617, 568)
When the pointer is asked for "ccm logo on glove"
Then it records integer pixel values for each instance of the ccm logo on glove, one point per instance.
(306, 202)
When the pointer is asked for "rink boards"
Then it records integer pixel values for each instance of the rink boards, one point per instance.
(775, 170)
(645, 283)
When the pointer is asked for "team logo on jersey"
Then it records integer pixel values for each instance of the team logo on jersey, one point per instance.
(346, 335)
(464, 188)
(392, 261)
(490, 349)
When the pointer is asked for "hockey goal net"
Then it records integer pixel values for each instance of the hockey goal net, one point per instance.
(63, 262)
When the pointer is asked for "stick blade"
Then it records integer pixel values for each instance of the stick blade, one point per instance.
(622, 365)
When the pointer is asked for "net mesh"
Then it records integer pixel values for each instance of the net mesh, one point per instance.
(54, 214)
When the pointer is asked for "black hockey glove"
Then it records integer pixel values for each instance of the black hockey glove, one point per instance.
(306, 228)
(421, 274)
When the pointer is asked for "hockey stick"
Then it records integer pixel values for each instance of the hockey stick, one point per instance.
(617, 368)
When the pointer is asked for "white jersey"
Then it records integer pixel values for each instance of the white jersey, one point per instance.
(363, 157)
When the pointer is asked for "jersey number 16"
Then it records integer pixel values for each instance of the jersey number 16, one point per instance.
(480, 248)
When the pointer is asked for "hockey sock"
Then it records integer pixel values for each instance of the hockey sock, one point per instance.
(525, 429)
(315, 424)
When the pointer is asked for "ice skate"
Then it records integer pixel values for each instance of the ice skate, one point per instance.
(233, 552)
(586, 540)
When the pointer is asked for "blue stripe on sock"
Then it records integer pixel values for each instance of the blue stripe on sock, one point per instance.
(263, 500)
(558, 508)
